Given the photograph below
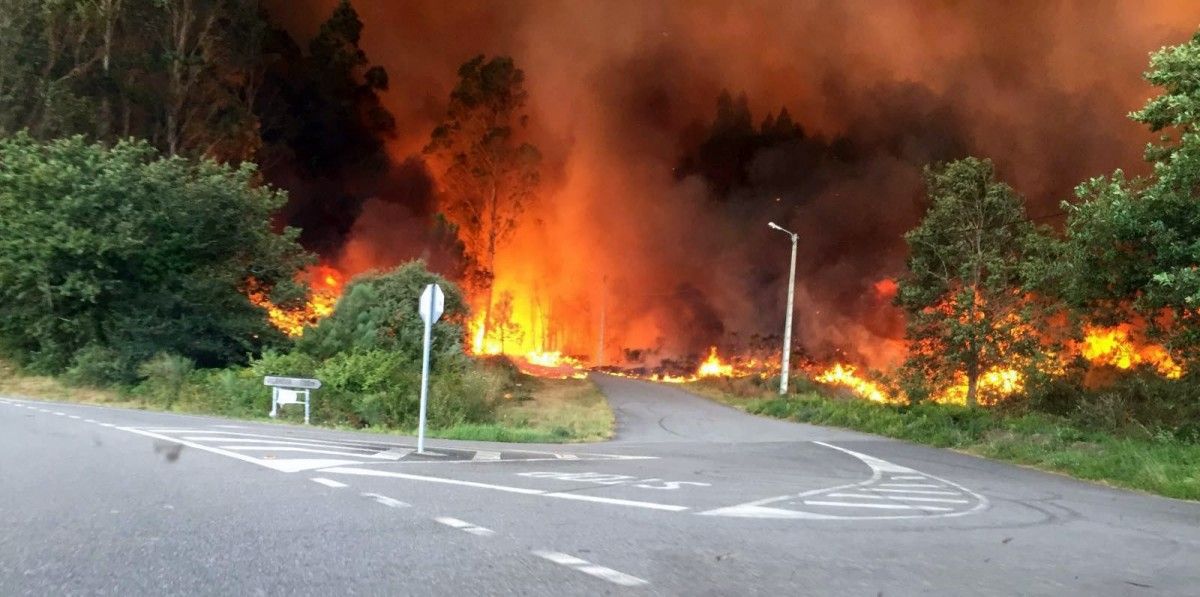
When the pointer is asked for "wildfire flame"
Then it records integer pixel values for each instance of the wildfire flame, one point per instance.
(847, 376)
(325, 287)
(1115, 347)
(713, 367)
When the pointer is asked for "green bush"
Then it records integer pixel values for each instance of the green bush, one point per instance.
(122, 248)
(165, 375)
(98, 366)
(466, 397)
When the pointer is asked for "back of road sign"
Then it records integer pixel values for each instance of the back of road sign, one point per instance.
(437, 304)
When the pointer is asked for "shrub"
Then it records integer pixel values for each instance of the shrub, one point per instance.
(99, 366)
(165, 375)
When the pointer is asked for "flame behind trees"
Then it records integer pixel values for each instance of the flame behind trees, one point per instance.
(488, 172)
(961, 292)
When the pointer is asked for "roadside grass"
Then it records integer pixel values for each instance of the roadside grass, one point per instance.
(550, 411)
(1140, 460)
(540, 411)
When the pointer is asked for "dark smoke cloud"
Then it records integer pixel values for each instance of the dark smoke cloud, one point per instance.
(623, 91)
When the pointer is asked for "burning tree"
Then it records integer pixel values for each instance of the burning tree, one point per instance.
(1130, 249)
(487, 171)
(962, 293)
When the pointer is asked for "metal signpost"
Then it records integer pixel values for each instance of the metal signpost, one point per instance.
(787, 326)
(433, 302)
(290, 390)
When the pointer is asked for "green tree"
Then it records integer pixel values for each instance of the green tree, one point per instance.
(121, 249)
(379, 312)
(962, 293)
(489, 172)
(1131, 245)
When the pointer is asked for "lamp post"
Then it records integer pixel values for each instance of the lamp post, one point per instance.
(787, 326)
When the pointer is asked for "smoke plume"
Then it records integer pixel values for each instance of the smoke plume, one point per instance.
(650, 214)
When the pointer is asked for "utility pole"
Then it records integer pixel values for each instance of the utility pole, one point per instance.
(784, 369)
(603, 300)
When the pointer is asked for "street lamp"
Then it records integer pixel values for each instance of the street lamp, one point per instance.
(787, 326)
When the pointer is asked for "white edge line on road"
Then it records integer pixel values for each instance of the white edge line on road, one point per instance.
(505, 488)
(465, 526)
(386, 501)
(328, 482)
(586, 567)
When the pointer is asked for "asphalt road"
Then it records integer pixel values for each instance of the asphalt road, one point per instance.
(692, 498)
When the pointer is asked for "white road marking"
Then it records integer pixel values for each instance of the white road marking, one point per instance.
(504, 488)
(925, 485)
(586, 567)
(913, 491)
(879, 506)
(617, 502)
(61, 414)
(107, 425)
(329, 482)
(910, 477)
(386, 501)
(246, 440)
(486, 455)
(89, 420)
(396, 454)
(465, 526)
(288, 465)
(72, 417)
(295, 449)
(567, 456)
(897, 497)
(880, 470)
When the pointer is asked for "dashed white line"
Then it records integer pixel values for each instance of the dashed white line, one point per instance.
(107, 425)
(877, 506)
(897, 497)
(61, 414)
(586, 567)
(925, 485)
(72, 417)
(329, 482)
(89, 421)
(465, 526)
(386, 501)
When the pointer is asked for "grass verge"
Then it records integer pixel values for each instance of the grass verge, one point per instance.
(553, 411)
(545, 411)
(1156, 463)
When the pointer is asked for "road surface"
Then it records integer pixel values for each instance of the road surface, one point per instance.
(691, 498)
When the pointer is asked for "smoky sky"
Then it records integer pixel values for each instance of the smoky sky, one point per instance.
(621, 93)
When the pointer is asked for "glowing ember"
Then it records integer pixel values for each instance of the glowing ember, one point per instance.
(325, 287)
(847, 377)
(713, 367)
(1115, 347)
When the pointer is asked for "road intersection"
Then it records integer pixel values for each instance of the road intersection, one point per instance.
(691, 498)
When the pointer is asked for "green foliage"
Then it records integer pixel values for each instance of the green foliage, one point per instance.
(99, 366)
(960, 293)
(164, 376)
(379, 312)
(120, 249)
(1131, 246)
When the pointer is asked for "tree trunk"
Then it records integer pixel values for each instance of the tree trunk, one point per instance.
(972, 384)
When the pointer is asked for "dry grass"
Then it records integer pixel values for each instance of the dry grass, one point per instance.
(563, 409)
(16, 383)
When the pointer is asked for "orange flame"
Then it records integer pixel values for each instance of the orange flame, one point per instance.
(713, 367)
(1115, 347)
(325, 288)
(847, 376)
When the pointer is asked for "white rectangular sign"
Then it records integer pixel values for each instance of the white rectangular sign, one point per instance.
(291, 382)
(433, 302)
